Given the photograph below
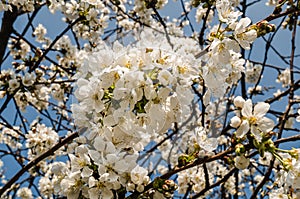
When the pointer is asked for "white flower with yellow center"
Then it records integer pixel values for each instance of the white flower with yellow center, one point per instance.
(253, 120)
(241, 162)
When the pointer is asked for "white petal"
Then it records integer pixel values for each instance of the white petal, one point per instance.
(86, 172)
(111, 158)
(210, 144)
(235, 122)
(256, 132)
(243, 23)
(266, 124)
(95, 155)
(244, 44)
(261, 109)
(243, 129)
(121, 166)
(99, 144)
(239, 102)
(241, 162)
(247, 109)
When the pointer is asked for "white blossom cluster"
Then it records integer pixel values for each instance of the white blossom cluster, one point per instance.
(10, 137)
(194, 178)
(223, 62)
(39, 139)
(24, 5)
(31, 88)
(24, 193)
(144, 8)
(126, 98)
(287, 183)
(139, 89)
(95, 13)
(162, 90)
(129, 96)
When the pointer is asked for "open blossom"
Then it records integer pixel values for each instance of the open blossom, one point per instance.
(293, 176)
(139, 175)
(220, 50)
(242, 35)
(24, 193)
(13, 84)
(252, 119)
(40, 32)
(252, 72)
(284, 77)
(241, 162)
(226, 12)
(207, 143)
(40, 138)
(28, 79)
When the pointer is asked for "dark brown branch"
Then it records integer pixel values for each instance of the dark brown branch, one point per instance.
(287, 139)
(276, 16)
(224, 179)
(164, 25)
(264, 180)
(286, 92)
(9, 17)
(186, 15)
(201, 34)
(197, 162)
(54, 42)
(206, 175)
(293, 53)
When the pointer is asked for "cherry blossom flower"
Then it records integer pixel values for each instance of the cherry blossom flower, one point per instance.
(24, 193)
(226, 12)
(252, 72)
(207, 143)
(242, 35)
(284, 78)
(252, 119)
(139, 175)
(40, 32)
(241, 162)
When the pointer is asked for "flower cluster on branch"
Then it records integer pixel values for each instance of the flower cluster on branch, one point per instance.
(125, 102)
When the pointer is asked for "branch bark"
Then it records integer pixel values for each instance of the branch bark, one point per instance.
(9, 17)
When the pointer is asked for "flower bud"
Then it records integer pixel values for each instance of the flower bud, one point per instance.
(240, 149)
(239, 102)
(294, 153)
(287, 164)
(270, 145)
(235, 122)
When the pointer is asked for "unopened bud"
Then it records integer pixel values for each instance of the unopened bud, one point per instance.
(294, 153)
(287, 164)
(240, 149)
(270, 145)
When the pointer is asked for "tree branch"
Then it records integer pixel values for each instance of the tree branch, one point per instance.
(9, 17)
(35, 161)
